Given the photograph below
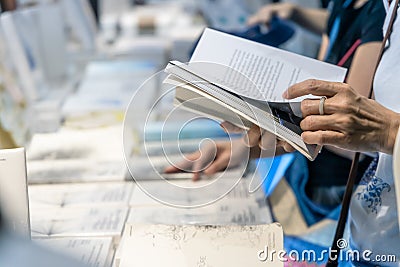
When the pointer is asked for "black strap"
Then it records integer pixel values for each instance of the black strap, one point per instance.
(335, 248)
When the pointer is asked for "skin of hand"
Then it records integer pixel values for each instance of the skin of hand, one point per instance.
(266, 13)
(213, 157)
(259, 138)
(312, 19)
(265, 140)
(360, 75)
(351, 121)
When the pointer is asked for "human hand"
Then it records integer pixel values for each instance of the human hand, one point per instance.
(351, 121)
(265, 140)
(212, 158)
(257, 137)
(266, 13)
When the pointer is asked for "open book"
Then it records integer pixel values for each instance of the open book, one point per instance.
(242, 82)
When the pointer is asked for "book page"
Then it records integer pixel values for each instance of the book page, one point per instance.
(270, 121)
(254, 70)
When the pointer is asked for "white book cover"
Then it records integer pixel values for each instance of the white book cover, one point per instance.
(183, 192)
(79, 222)
(181, 246)
(152, 168)
(80, 195)
(91, 252)
(238, 190)
(76, 171)
(233, 212)
(14, 203)
(104, 144)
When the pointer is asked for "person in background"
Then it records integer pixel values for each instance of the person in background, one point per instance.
(354, 122)
(351, 38)
(351, 121)
(352, 33)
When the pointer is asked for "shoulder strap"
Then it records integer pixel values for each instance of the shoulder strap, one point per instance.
(335, 248)
(349, 53)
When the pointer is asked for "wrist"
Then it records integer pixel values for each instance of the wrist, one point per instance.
(392, 133)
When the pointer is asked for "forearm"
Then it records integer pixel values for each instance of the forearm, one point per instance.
(314, 20)
(323, 48)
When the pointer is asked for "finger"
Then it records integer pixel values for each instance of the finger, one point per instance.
(267, 141)
(196, 176)
(325, 122)
(219, 164)
(331, 106)
(203, 162)
(183, 165)
(263, 16)
(253, 20)
(314, 87)
(197, 168)
(323, 138)
(230, 128)
(287, 147)
(252, 138)
(171, 169)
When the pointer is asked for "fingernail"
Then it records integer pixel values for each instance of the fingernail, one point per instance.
(196, 176)
(285, 94)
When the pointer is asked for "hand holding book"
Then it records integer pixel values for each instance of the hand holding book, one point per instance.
(256, 136)
(351, 121)
(236, 80)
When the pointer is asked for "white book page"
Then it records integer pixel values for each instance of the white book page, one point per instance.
(270, 70)
(239, 106)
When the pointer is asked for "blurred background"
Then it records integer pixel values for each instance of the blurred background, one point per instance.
(68, 69)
